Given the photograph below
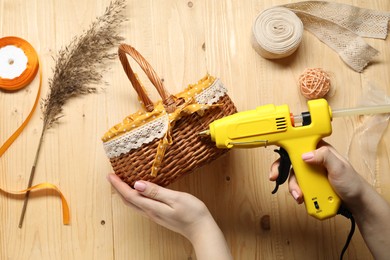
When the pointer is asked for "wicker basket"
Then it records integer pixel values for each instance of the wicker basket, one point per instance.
(160, 142)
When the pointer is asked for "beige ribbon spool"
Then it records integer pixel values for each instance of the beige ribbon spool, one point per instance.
(340, 26)
(277, 33)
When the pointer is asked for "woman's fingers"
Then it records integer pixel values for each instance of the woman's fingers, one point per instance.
(124, 191)
(145, 196)
(292, 182)
(155, 192)
(274, 173)
(294, 189)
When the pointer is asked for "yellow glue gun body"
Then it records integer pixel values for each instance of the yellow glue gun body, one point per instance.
(274, 125)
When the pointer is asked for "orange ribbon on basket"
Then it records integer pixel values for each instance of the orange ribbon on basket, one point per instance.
(189, 107)
(19, 64)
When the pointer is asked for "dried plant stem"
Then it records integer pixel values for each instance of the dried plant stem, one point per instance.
(30, 181)
(78, 66)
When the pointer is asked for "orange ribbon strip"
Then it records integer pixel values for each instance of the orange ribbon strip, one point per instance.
(46, 185)
(24, 79)
(19, 82)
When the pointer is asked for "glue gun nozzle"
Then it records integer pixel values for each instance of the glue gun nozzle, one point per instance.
(204, 133)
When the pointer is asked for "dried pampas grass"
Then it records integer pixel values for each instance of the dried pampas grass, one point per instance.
(78, 67)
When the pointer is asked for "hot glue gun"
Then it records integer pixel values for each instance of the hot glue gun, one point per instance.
(295, 135)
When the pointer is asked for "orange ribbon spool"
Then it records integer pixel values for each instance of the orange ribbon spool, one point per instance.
(21, 81)
(15, 51)
(32, 66)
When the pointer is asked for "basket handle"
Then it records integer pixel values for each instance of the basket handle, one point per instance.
(167, 98)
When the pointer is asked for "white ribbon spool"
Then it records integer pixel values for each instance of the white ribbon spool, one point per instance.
(13, 61)
(277, 32)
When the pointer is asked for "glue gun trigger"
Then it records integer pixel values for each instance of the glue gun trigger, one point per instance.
(284, 168)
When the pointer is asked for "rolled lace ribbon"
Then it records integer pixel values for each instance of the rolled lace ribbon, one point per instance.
(340, 26)
(277, 33)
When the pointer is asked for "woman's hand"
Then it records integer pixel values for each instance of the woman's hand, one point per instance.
(369, 208)
(177, 211)
(346, 182)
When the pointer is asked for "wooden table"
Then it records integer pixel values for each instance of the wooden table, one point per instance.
(183, 40)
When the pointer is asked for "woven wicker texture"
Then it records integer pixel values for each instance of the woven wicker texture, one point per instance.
(188, 150)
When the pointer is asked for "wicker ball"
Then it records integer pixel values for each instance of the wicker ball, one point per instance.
(314, 83)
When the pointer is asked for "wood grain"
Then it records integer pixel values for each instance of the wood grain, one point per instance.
(183, 40)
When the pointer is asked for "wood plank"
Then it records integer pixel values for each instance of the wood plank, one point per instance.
(183, 40)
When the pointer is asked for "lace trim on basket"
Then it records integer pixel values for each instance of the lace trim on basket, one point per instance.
(144, 134)
(212, 94)
(156, 129)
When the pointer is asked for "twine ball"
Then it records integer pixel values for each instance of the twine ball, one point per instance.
(314, 83)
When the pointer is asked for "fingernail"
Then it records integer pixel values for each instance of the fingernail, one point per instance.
(139, 186)
(295, 195)
(308, 156)
(108, 177)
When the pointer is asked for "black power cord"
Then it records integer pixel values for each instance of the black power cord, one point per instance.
(346, 213)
